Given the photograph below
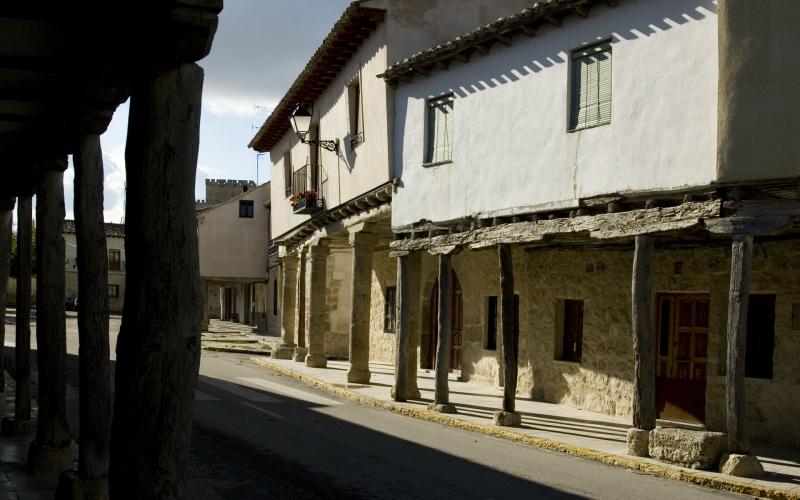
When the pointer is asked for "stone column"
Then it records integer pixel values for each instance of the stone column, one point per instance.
(288, 277)
(363, 244)
(300, 312)
(644, 378)
(50, 451)
(158, 348)
(206, 321)
(94, 365)
(738, 298)
(508, 416)
(441, 401)
(400, 389)
(6, 208)
(316, 320)
(21, 424)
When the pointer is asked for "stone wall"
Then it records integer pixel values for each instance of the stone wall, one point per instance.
(602, 381)
(273, 313)
(384, 273)
(337, 302)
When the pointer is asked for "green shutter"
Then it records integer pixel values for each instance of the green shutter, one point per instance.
(439, 142)
(591, 87)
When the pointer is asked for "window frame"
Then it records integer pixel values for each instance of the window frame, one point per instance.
(492, 320)
(114, 264)
(355, 103)
(115, 288)
(390, 309)
(573, 109)
(288, 174)
(562, 354)
(428, 153)
(249, 206)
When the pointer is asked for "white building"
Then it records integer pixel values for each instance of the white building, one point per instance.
(115, 243)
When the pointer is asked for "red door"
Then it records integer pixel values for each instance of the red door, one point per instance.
(456, 321)
(681, 355)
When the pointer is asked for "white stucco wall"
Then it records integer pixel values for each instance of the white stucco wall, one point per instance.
(511, 146)
(232, 246)
(115, 304)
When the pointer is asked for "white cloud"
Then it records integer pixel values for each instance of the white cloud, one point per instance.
(222, 104)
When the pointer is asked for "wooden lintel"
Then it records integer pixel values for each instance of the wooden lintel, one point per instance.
(763, 208)
(601, 226)
(445, 250)
(395, 254)
(749, 225)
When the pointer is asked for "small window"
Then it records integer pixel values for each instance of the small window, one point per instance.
(760, 336)
(571, 331)
(246, 209)
(275, 298)
(113, 291)
(590, 97)
(439, 123)
(115, 260)
(491, 323)
(389, 312)
(287, 172)
(355, 112)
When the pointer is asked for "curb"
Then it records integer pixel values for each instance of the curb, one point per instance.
(658, 470)
(237, 350)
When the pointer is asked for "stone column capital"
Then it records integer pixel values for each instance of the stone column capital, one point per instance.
(319, 249)
(363, 239)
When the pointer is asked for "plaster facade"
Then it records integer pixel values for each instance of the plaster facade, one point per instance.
(116, 278)
(512, 151)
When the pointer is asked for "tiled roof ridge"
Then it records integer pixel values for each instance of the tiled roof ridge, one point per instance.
(111, 229)
(502, 30)
(278, 122)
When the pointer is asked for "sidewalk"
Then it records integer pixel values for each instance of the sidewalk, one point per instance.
(556, 427)
(227, 336)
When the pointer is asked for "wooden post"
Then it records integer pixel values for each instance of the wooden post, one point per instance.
(402, 330)
(741, 260)
(415, 323)
(644, 381)
(95, 370)
(6, 208)
(158, 348)
(441, 401)
(206, 317)
(508, 416)
(22, 398)
(362, 244)
(50, 451)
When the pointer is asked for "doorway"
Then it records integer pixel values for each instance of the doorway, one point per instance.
(457, 325)
(681, 356)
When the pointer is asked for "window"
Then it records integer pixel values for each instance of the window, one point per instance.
(287, 172)
(113, 291)
(491, 323)
(439, 123)
(356, 114)
(115, 260)
(275, 298)
(590, 97)
(760, 336)
(389, 309)
(570, 331)
(246, 209)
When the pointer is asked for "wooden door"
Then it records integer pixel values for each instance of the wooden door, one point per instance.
(681, 356)
(456, 322)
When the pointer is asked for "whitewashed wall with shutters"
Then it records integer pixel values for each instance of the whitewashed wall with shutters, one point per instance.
(514, 143)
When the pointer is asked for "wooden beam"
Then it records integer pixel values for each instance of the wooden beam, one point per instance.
(509, 328)
(750, 225)
(644, 381)
(738, 297)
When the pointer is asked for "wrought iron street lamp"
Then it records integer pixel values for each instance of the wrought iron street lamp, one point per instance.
(301, 123)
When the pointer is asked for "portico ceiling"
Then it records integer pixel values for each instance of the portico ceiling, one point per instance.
(66, 65)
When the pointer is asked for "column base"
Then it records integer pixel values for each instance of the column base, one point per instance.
(443, 408)
(300, 354)
(413, 393)
(49, 459)
(283, 351)
(507, 418)
(12, 427)
(72, 487)
(638, 442)
(204, 326)
(358, 375)
(734, 464)
(316, 361)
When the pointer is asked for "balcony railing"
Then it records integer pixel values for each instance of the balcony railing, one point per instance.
(306, 199)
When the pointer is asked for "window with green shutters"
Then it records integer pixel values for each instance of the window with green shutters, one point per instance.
(439, 140)
(590, 102)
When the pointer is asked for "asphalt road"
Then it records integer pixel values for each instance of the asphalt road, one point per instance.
(258, 434)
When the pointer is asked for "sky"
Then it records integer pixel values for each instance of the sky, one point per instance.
(259, 49)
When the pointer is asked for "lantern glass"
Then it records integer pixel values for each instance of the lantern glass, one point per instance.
(301, 121)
